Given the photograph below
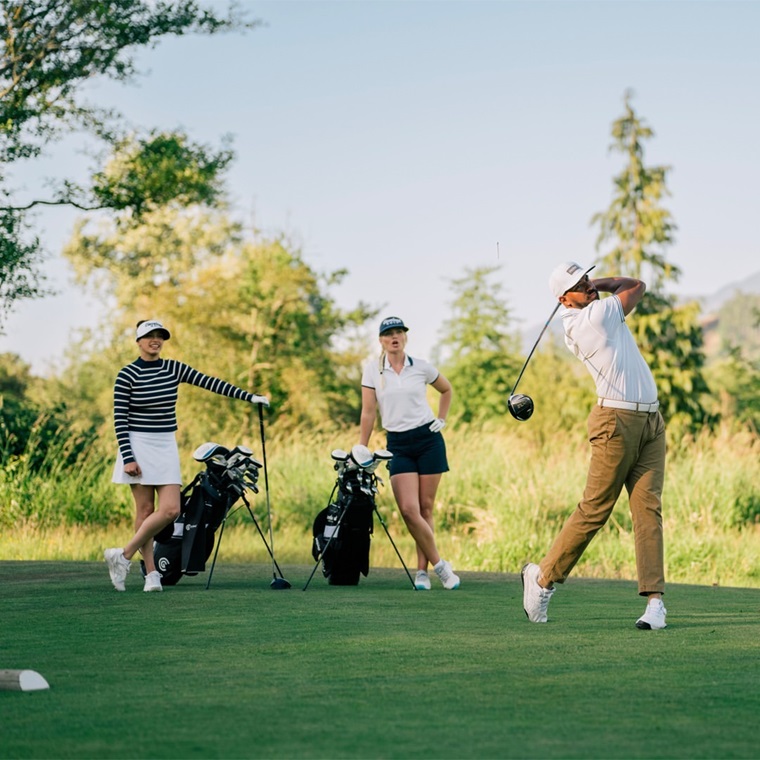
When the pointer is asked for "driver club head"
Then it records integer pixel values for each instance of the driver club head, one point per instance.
(520, 406)
(279, 583)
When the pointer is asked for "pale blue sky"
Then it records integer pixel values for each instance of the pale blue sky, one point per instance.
(403, 140)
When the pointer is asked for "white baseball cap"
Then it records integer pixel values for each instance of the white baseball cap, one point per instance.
(148, 326)
(566, 276)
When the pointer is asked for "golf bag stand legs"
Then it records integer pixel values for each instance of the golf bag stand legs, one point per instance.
(393, 544)
(221, 534)
(216, 552)
(335, 534)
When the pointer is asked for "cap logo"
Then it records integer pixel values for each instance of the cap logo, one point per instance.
(151, 325)
(573, 268)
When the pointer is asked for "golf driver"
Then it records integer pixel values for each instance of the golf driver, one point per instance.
(277, 582)
(521, 406)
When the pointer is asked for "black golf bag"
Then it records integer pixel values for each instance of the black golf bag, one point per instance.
(342, 532)
(183, 547)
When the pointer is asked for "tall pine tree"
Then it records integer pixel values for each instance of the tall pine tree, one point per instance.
(640, 229)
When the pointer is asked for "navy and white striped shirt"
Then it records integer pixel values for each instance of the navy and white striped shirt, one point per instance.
(145, 397)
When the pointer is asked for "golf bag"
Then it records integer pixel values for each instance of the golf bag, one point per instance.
(342, 532)
(183, 547)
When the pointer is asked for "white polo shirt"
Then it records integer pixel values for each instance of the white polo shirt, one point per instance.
(401, 398)
(600, 338)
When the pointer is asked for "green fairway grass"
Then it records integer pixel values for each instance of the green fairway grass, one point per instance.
(374, 671)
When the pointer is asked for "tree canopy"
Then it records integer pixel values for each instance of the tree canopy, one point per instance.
(241, 306)
(49, 49)
(477, 350)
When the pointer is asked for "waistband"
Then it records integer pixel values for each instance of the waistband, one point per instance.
(399, 434)
(631, 406)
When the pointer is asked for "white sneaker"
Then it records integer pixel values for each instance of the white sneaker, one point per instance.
(447, 576)
(422, 581)
(153, 582)
(118, 567)
(653, 618)
(535, 597)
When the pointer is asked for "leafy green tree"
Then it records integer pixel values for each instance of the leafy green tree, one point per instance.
(640, 229)
(477, 351)
(28, 425)
(736, 383)
(48, 50)
(241, 307)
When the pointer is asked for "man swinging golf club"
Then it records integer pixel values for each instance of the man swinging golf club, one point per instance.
(627, 436)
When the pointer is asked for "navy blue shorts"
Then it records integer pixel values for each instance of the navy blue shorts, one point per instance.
(417, 450)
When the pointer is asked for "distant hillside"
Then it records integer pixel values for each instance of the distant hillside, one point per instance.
(726, 319)
(712, 303)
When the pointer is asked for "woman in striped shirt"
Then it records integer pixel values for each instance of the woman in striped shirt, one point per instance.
(144, 405)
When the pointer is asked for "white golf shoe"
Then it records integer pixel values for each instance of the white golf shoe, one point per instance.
(446, 575)
(118, 567)
(153, 582)
(422, 581)
(653, 618)
(535, 597)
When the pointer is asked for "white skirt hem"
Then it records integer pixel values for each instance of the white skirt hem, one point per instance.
(158, 457)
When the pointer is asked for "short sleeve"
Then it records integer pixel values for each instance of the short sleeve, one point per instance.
(368, 376)
(606, 315)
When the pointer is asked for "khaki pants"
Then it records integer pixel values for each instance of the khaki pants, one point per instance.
(627, 449)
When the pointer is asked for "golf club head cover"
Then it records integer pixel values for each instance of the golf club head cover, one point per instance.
(207, 450)
(362, 456)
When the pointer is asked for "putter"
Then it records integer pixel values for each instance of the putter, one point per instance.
(521, 406)
(277, 582)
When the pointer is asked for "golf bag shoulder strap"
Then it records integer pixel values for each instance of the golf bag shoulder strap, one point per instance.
(189, 487)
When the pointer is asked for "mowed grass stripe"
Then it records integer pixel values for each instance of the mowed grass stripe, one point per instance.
(376, 671)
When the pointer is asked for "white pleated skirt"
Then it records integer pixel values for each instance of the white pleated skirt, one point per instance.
(158, 457)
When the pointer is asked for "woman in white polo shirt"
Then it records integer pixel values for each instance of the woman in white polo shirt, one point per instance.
(396, 384)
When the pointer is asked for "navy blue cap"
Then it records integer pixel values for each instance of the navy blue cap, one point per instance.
(392, 323)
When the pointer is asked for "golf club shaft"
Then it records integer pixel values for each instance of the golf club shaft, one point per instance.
(266, 486)
(541, 335)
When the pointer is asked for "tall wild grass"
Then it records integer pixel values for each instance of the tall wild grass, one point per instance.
(502, 503)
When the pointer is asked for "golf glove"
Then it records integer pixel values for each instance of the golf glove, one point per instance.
(437, 425)
(259, 400)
